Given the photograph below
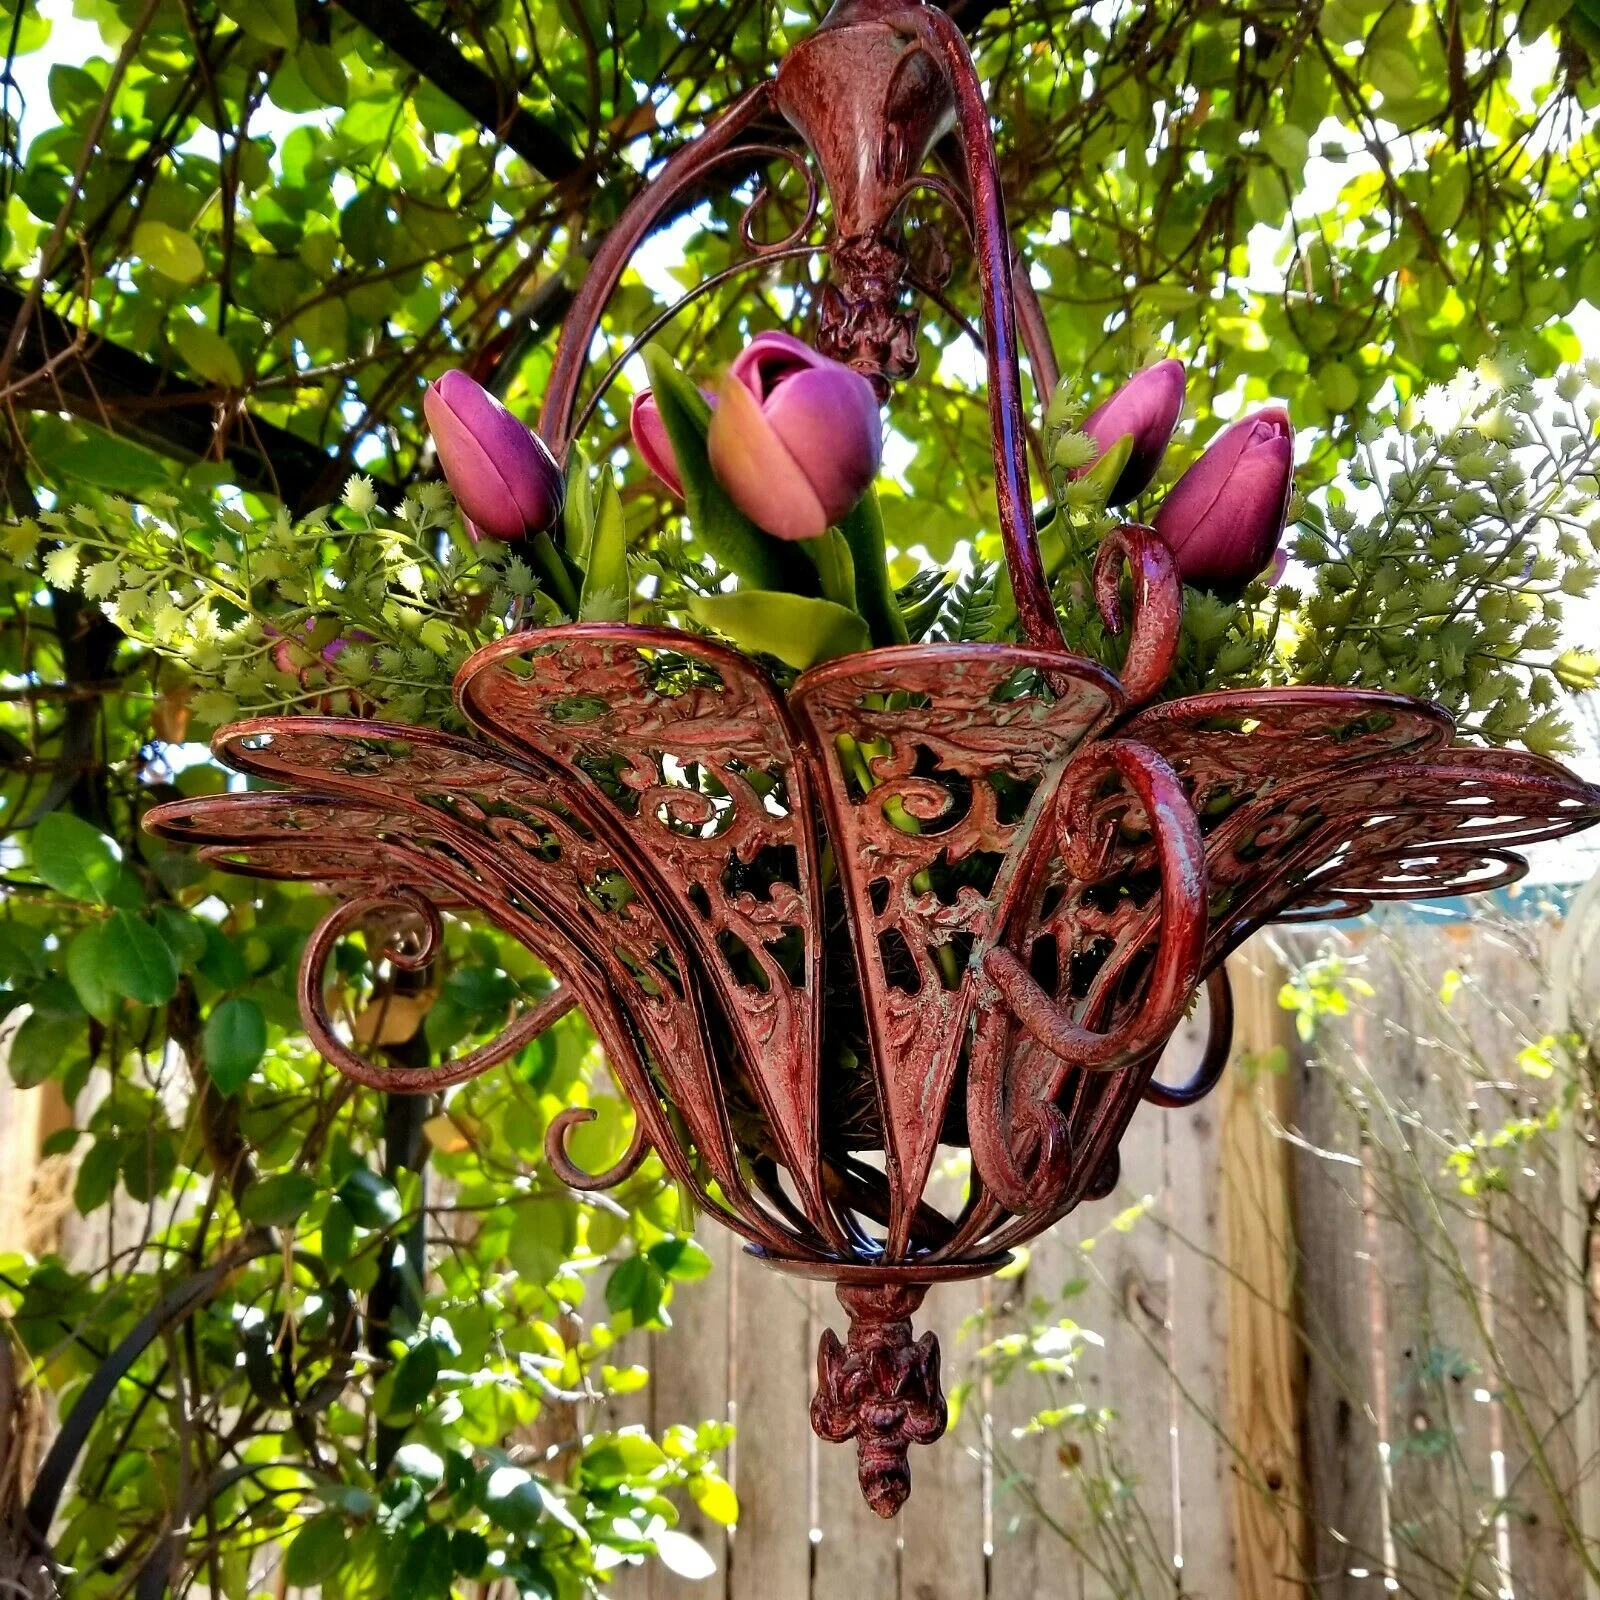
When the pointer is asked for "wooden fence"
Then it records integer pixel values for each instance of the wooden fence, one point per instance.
(1330, 1366)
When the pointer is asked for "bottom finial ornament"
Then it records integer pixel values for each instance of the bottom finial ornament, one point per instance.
(881, 1388)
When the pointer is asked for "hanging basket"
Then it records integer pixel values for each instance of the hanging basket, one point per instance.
(944, 895)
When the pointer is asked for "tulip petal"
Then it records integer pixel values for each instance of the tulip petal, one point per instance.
(1234, 538)
(772, 357)
(827, 418)
(652, 441)
(500, 470)
(755, 467)
(1210, 487)
(1146, 408)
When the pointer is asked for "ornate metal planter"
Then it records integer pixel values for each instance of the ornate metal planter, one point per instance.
(935, 895)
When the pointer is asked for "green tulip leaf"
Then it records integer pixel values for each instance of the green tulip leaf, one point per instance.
(605, 579)
(1101, 478)
(874, 596)
(795, 628)
(577, 511)
(830, 555)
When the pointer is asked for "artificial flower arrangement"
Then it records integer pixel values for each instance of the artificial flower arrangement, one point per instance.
(784, 551)
(847, 859)
(779, 461)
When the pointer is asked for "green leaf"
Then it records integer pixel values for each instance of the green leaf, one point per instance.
(577, 513)
(275, 1202)
(727, 535)
(173, 253)
(795, 628)
(323, 72)
(836, 572)
(542, 1237)
(21, 951)
(86, 970)
(184, 935)
(235, 1040)
(414, 1379)
(40, 1045)
(635, 1288)
(338, 1233)
(137, 962)
(512, 1500)
(605, 578)
(615, 1458)
(271, 21)
(681, 1259)
(1393, 73)
(316, 1552)
(682, 1555)
(1340, 387)
(374, 1202)
(223, 963)
(89, 454)
(73, 858)
(97, 1175)
(714, 1495)
(208, 353)
(469, 1552)
(875, 598)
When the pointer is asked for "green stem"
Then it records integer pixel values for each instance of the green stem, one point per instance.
(546, 561)
(863, 533)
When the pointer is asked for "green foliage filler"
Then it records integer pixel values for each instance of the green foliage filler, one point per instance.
(237, 240)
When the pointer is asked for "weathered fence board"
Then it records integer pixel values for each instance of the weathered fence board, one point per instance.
(770, 1556)
(1261, 1404)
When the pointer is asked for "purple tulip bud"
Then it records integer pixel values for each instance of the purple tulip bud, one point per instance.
(796, 439)
(1147, 406)
(502, 473)
(650, 437)
(1225, 515)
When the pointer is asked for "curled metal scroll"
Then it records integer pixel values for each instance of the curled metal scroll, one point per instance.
(1157, 605)
(718, 143)
(1181, 949)
(764, 193)
(620, 1170)
(1219, 1043)
(409, 957)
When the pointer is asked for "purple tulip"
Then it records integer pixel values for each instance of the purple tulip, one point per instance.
(288, 655)
(1147, 406)
(650, 437)
(1225, 515)
(501, 472)
(796, 439)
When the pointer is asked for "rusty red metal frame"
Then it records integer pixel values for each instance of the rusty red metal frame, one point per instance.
(946, 895)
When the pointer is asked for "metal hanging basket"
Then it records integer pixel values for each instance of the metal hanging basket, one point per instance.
(953, 895)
